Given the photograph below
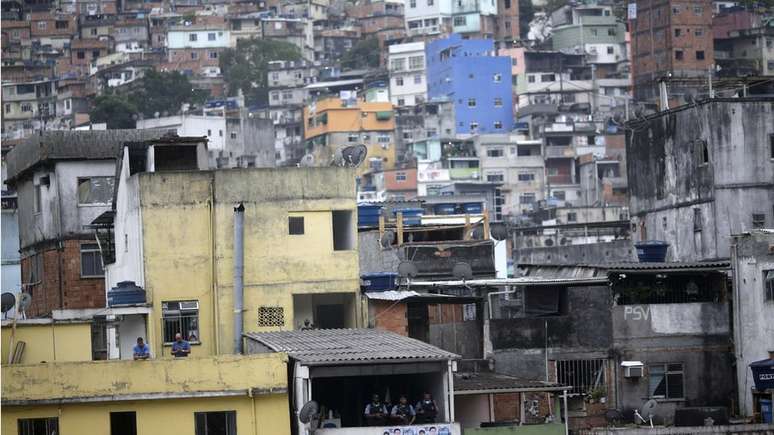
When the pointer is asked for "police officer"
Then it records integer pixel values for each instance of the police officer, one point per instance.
(375, 412)
(427, 409)
(403, 412)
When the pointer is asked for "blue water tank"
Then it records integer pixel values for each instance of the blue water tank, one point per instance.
(444, 209)
(411, 216)
(766, 411)
(472, 208)
(368, 215)
(379, 281)
(652, 251)
(126, 293)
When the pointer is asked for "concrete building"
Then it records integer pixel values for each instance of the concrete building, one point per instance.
(746, 52)
(753, 263)
(55, 387)
(475, 18)
(234, 140)
(130, 35)
(672, 37)
(63, 181)
(196, 47)
(515, 161)
(703, 197)
(333, 123)
(27, 107)
(425, 18)
(174, 238)
(11, 259)
(408, 78)
(287, 80)
(592, 30)
(467, 72)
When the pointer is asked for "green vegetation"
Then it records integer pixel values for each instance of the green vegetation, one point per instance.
(365, 54)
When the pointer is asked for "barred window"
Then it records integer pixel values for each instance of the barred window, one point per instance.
(91, 260)
(585, 375)
(271, 316)
(35, 426)
(180, 317)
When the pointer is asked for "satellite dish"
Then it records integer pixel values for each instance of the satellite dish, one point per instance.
(351, 156)
(7, 301)
(309, 411)
(407, 269)
(307, 160)
(462, 271)
(387, 239)
(648, 410)
(25, 300)
(498, 231)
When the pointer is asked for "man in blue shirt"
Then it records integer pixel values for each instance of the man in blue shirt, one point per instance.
(142, 350)
(180, 348)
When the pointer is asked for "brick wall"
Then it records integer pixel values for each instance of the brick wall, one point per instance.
(75, 292)
(389, 316)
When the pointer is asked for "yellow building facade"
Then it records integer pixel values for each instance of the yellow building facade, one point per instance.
(333, 123)
(300, 252)
(155, 396)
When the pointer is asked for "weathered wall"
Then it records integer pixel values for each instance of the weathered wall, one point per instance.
(49, 343)
(609, 252)
(259, 415)
(734, 182)
(462, 338)
(753, 314)
(372, 257)
(585, 331)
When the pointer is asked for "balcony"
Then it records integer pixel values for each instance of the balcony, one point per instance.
(73, 382)
(559, 152)
(464, 173)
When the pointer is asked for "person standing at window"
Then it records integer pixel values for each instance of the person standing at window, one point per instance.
(141, 350)
(180, 348)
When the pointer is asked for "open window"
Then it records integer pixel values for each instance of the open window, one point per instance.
(343, 230)
(215, 423)
(180, 317)
(175, 158)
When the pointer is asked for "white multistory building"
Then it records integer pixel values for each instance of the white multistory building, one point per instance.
(408, 77)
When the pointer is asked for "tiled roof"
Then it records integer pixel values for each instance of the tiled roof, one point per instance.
(468, 383)
(349, 346)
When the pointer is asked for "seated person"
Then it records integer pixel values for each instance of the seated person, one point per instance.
(375, 412)
(427, 409)
(142, 350)
(180, 348)
(403, 412)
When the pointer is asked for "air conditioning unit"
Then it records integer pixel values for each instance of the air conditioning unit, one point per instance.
(633, 369)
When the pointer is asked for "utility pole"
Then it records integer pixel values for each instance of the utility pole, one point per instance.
(709, 78)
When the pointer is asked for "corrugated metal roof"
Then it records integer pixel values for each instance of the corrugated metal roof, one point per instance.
(497, 282)
(483, 382)
(682, 266)
(349, 346)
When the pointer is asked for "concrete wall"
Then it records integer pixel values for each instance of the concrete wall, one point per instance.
(47, 342)
(670, 148)
(373, 258)
(753, 328)
(609, 252)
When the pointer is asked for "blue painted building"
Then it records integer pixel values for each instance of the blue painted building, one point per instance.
(467, 72)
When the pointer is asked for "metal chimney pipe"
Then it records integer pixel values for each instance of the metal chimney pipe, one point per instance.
(239, 274)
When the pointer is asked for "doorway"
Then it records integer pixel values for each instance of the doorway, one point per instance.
(123, 423)
(330, 316)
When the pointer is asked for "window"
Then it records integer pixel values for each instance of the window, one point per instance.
(698, 32)
(93, 32)
(666, 381)
(211, 37)
(296, 225)
(548, 78)
(41, 25)
(38, 426)
(594, 32)
(383, 138)
(271, 316)
(429, 2)
(91, 261)
(703, 152)
(572, 217)
(416, 62)
(460, 21)
(215, 423)
(413, 3)
(585, 376)
(678, 54)
(611, 32)
(61, 24)
(418, 79)
(497, 78)
(698, 220)
(678, 32)
(473, 126)
(495, 178)
(699, 54)
(531, 79)
(123, 423)
(38, 197)
(498, 102)
(213, 54)
(233, 135)
(194, 55)
(80, 54)
(675, 10)
(771, 146)
(398, 64)
(610, 49)
(526, 177)
(471, 102)
(560, 195)
(343, 236)
(527, 198)
(399, 81)
(768, 285)
(95, 190)
(192, 37)
(758, 220)
(494, 152)
(498, 125)
(698, 10)
(180, 317)
(353, 137)
(7, 108)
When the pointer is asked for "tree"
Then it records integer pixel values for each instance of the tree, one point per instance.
(165, 92)
(246, 66)
(115, 110)
(365, 54)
